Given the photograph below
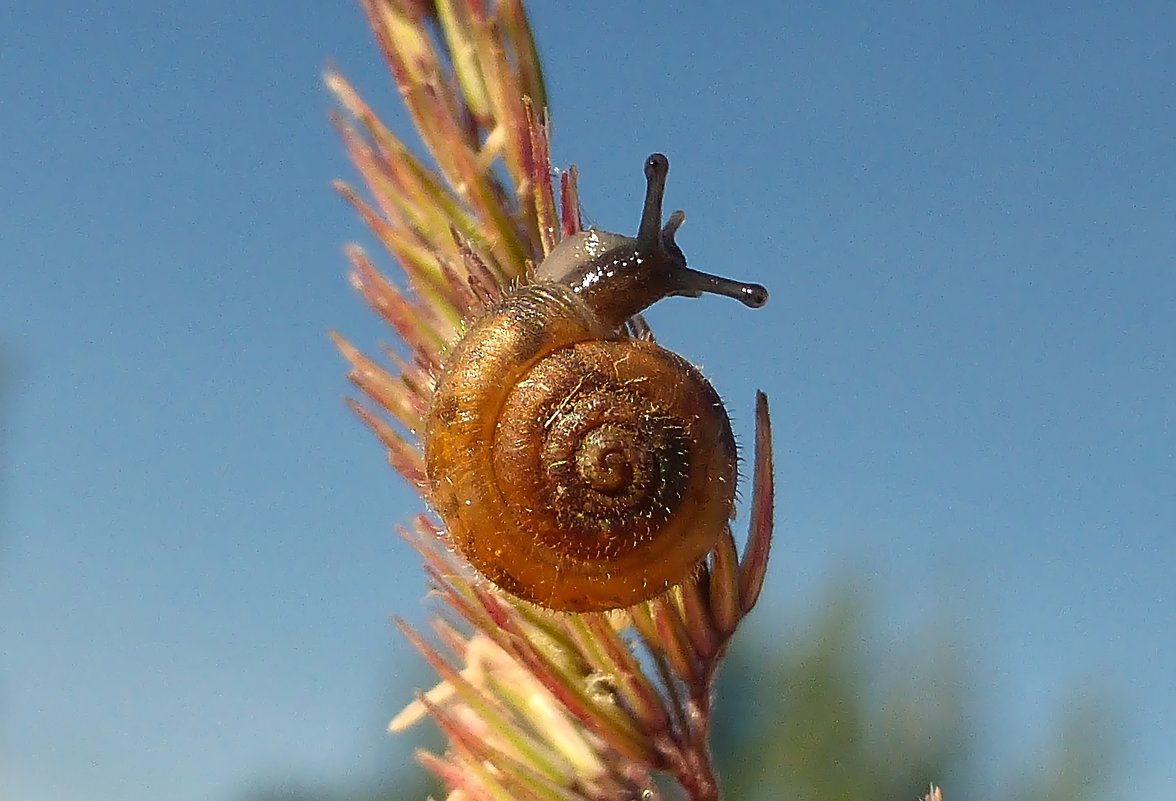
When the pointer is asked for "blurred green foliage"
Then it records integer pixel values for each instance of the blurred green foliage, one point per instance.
(814, 715)
(829, 712)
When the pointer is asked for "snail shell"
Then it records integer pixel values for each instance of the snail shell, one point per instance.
(575, 467)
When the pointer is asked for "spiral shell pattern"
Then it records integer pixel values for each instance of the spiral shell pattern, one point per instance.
(576, 469)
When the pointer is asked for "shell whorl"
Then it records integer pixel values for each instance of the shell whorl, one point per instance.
(588, 471)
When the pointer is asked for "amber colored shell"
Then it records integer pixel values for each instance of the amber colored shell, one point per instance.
(574, 468)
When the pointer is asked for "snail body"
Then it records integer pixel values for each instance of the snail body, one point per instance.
(576, 467)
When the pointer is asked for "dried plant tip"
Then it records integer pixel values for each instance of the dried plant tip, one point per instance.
(755, 561)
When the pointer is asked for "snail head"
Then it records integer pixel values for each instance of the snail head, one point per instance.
(619, 276)
(669, 270)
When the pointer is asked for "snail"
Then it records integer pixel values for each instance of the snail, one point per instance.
(576, 467)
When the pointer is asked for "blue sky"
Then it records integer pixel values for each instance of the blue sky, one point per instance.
(965, 214)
